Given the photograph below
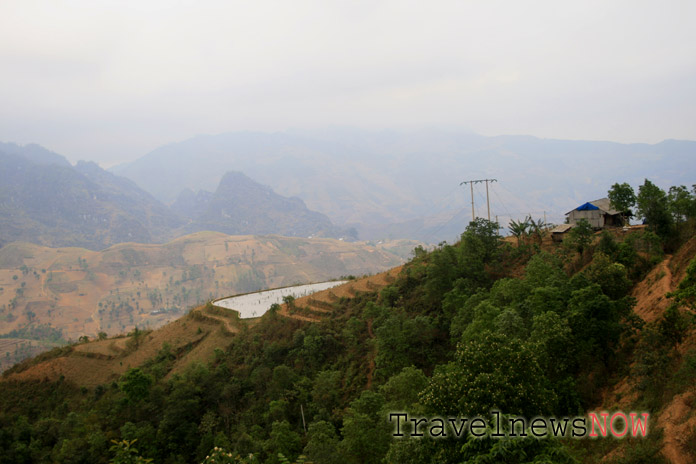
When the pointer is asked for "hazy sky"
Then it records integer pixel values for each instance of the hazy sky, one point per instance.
(112, 80)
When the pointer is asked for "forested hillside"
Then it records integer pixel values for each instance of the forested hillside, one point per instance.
(525, 327)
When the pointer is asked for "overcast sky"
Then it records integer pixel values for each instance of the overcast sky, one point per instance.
(111, 80)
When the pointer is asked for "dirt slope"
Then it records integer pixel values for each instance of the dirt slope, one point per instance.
(677, 418)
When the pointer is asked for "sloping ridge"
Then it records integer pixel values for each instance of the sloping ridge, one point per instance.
(675, 419)
(191, 338)
(319, 304)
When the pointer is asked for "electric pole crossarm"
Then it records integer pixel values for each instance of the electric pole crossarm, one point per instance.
(471, 185)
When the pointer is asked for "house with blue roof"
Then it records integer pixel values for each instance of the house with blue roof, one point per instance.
(598, 213)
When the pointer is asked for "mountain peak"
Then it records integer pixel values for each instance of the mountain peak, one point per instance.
(35, 153)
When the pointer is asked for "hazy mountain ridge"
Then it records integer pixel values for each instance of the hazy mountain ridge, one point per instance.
(46, 200)
(313, 170)
(34, 153)
(379, 181)
(242, 206)
(55, 204)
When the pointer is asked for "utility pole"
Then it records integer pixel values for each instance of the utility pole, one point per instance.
(473, 216)
(488, 203)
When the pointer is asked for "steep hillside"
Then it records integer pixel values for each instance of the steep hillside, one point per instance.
(482, 325)
(82, 292)
(242, 206)
(45, 200)
(672, 395)
(192, 338)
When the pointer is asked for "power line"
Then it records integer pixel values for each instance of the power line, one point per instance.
(502, 203)
(442, 226)
(471, 184)
(422, 227)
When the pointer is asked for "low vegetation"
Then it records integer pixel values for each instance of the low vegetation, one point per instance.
(480, 325)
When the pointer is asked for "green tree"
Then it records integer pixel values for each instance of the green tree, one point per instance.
(538, 229)
(682, 204)
(594, 319)
(289, 301)
(322, 444)
(580, 236)
(519, 229)
(673, 326)
(136, 384)
(686, 291)
(653, 206)
(622, 198)
(403, 341)
(366, 433)
(607, 244)
(283, 441)
(220, 455)
(125, 453)
(401, 390)
(481, 238)
(326, 392)
(491, 372)
(612, 277)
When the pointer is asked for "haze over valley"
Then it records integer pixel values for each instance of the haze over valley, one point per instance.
(269, 232)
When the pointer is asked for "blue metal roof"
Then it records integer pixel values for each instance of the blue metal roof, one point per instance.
(586, 207)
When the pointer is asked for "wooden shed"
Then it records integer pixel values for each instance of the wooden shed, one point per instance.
(559, 231)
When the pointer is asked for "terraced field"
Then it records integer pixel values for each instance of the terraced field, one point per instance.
(256, 304)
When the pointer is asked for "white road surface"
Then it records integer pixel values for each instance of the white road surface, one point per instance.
(256, 304)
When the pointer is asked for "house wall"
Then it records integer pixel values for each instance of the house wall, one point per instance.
(557, 236)
(595, 217)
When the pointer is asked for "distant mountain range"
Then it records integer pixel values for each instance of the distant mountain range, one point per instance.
(242, 206)
(392, 184)
(46, 200)
(341, 183)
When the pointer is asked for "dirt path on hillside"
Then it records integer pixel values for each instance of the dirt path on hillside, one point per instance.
(650, 293)
(677, 423)
(225, 321)
(675, 418)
